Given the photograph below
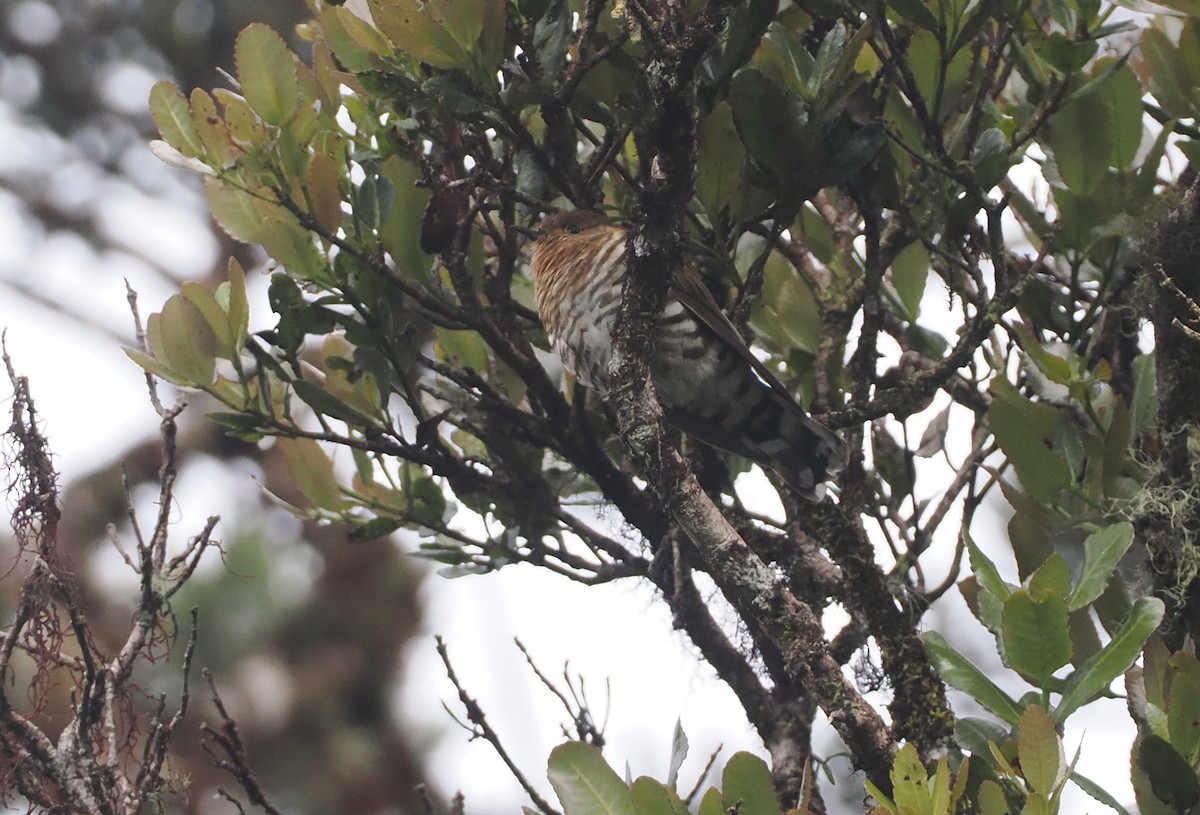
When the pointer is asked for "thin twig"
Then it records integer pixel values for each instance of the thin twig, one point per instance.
(484, 730)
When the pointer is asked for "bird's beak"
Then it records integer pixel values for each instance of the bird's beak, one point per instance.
(528, 232)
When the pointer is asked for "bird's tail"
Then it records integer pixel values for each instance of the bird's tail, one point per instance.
(804, 452)
(778, 434)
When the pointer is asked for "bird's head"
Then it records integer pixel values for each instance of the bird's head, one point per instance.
(565, 236)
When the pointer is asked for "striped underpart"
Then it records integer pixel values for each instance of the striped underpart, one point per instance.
(706, 385)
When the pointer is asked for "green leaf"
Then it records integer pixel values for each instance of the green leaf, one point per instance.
(401, 228)
(785, 58)
(1112, 660)
(239, 213)
(909, 272)
(991, 799)
(879, 796)
(1171, 778)
(1122, 93)
(788, 311)
(1183, 705)
(1101, 552)
(1043, 762)
(768, 123)
(312, 472)
(915, 11)
(173, 117)
(985, 570)
(1052, 577)
(375, 528)
(151, 365)
(243, 125)
(1036, 639)
(585, 784)
(239, 422)
(719, 170)
(344, 32)
(910, 782)
(426, 501)
(465, 348)
(1080, 135)
(325, 404)
(974, 734)
(214, 315)
(238, 306)
(1161, 70)
(711, 803)
(211, 128)
(267, 73)
(679, 751)
(293, 246)
(747, 779)
(1025, 430)
(188, 344)
(959, 672)
(650, 797)
(1100, 794)
(363, 34)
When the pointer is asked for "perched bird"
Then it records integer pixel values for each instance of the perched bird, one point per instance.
(711, 386)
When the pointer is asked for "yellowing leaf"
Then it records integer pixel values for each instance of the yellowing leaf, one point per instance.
(239, 213)
(267, 72)
(334, 22)
(241, 122)
(174, 119)
(312, 473)
(212, 130)
(322, 180)
(1041, 752)
(151, 365)
(362, 33)
(417, 34)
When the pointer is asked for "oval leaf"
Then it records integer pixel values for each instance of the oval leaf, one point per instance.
(585, 784)
(1043, 762)
(312, 473)
(959, 672)
(1113, 659)
(1037, 641)
(1101, 552)
(188, 344)
(267, 73)
(748, 781)
(173, 117)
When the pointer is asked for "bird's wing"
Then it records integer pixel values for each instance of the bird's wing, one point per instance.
(691, 292)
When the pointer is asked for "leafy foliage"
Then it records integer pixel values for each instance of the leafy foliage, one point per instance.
(968, 191)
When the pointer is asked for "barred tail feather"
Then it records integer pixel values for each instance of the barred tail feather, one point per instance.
(778, 434)
(801, 450)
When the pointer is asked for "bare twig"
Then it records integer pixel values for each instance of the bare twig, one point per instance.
(483, 729)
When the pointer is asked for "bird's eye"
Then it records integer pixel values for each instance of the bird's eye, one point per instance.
(574, 229)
